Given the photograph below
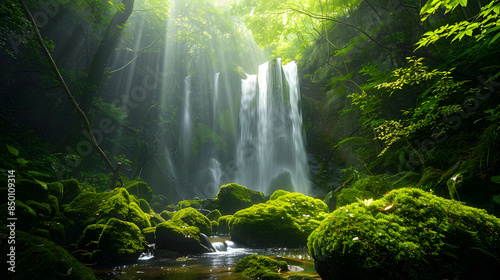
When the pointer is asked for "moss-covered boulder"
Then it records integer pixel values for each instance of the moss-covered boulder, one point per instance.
(158, 203)
(370, 187)
(261, 267)
(40, 208)
(223, 224)
(214, 215)
(53, 203)
(195, 203)
(167, 215)
(116, 242)
(192, 217)
(139, 189)
(71, 189)
(265, 225)
(307, 212)
(90, 208)
(408, 234)
(56, 189)
(149, 234)
(31, 190)
(183, 239)
(144, 205)
(233, 197)
(41, 259)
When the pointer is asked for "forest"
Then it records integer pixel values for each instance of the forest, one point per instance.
(250, 139)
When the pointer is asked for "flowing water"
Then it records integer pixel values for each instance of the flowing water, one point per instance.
(217, 265)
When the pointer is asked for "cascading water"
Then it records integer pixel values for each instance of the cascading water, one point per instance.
(271, 149)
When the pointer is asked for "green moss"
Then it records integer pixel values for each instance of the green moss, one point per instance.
(41, 232)
(40, 258)
(56, 189)
(223, 224)
(40, 208)
(71, 189)
(370, 187)
(25, 215)
(89, 208)
(54, 205)
(192, 217)
(195, 203)
(174, 237)
(277, 194)
(408, 234)
(265, 225)
(149, 234)
(139, 189)
(261, 267)
(31, 190)
(145, 206)
(307, 212)
(214, 215)
(115, 242)
(233, 197)
(57, 232)
(167, 215)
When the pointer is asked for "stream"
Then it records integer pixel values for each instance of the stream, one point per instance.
(215, 265)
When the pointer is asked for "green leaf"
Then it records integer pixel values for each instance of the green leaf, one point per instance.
(13, 150)
(36, 173)
(496, 179)
(22, 161)
(41, 183)
(494, 39)
(463, 2)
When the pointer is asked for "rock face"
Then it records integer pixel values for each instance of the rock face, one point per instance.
(408, 234)
(285, 220)
(115, 242)
(39, 258)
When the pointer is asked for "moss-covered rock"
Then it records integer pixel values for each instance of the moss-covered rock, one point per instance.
(39, 208)
(278, 193)
(39, 258)
(56, 189)
(158, 203)
(144, 205)
(233, 197)
(265, 225)
(183, 239)
(31, 190)
(223, 224)
(307, 212)
(370, 187)
(195, 203)
(261, 267)
(167, 215)
(89, 208)
(408, 234)
(214, 215)
(115, 242)
(139, 189)
(192, 217)
(149, 234)
(53, 203)
(71, 189)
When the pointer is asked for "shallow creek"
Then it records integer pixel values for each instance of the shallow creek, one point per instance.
(217, 265)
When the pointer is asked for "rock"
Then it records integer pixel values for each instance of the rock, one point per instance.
(90, 208)
(278, 193)
(233, 197)
(71, 189)
(167, 215)
(182, 239)
(306, 211)
(139, 189)
(144, 205)
(56, 189)
(265, 225)
(261, 267)
(116, 242)
(223, 224)
(407, 234)
(214, 215)
(195, 203)
(41, 259)
(282, 181)
(26, 216)
(149, 234)
(39, 208)
(192, 217)
(158, 203)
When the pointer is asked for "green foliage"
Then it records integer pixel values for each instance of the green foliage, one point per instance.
(409, 233)
(261, 267)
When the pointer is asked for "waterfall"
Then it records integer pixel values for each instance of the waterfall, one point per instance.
(271, 148)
